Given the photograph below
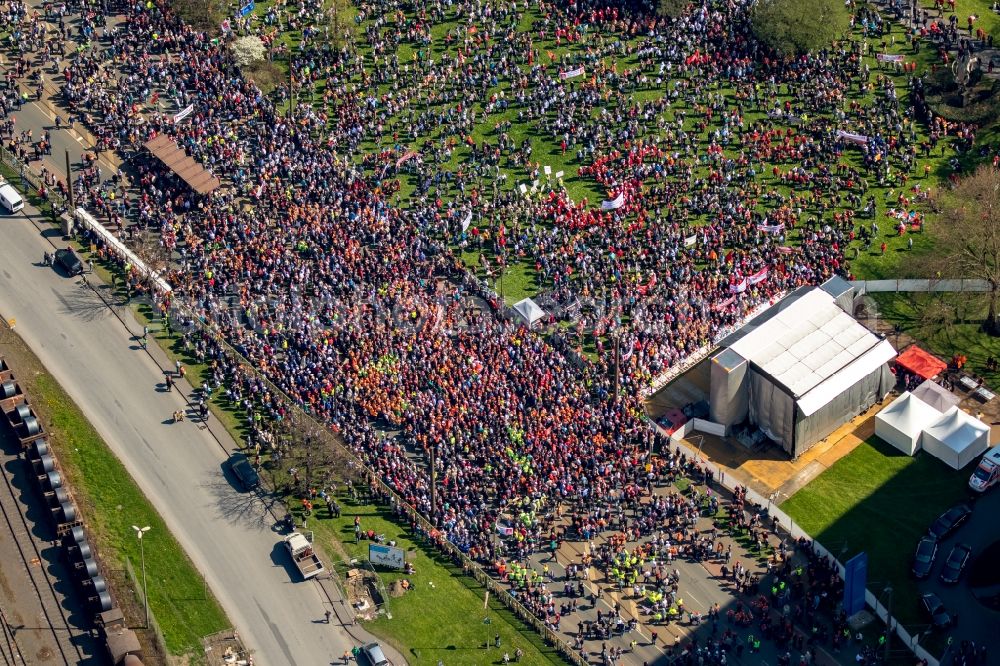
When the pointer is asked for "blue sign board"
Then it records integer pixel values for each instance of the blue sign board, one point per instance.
(855, 582)
(247, 8)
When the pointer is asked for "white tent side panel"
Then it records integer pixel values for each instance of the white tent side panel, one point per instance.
(902, 423)
(844, 406)
(957, 439)
(772, 409)
(941, 451)
(888, 432)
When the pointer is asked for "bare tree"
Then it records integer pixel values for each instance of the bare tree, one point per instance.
(967, 235)
(671, 8)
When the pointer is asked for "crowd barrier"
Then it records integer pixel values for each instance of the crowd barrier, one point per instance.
(796, 533)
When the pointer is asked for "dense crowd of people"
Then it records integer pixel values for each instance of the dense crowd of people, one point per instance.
(332, 259)
(360, 308)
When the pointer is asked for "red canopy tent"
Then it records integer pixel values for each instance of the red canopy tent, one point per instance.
(920, 362)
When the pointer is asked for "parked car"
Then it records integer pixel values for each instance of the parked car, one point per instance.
(244, 471)
(374, 655)
(934, 608)
(923, 559)
(10, 199)
(69, 261)
(955, 564)
(949, 521)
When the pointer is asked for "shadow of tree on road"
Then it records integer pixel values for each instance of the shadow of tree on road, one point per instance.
(85, 303)
(252, 509)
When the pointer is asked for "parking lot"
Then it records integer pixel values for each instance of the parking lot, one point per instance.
(976, 622)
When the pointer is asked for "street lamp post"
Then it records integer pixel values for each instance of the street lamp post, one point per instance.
(139, 531)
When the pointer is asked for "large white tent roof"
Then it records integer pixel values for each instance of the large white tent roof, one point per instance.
(811, 341)
(909, 414)
(957, 429)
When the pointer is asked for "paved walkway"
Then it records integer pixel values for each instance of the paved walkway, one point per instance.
(701, 586)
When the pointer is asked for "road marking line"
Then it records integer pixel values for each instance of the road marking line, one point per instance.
(44, 111)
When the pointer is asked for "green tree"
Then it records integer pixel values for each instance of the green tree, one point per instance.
(792, 27)
(206, 15)
(967, 236)
(671, 8)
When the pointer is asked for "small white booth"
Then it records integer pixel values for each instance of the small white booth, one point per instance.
(902, 423)
(956, 438)
(528, 311)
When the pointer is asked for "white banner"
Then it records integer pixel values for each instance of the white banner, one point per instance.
(184, 113)
(888, 57)
(859, 139)
(386, 556)
(759, 276)
(571, 73)
(615, 203)
(690, 240)
(739, 287)
(772, 228)
(467, 221)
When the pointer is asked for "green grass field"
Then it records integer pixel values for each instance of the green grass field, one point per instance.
(111, 503)
(878, 500)
(441, 617)
(453, 153)
(945, 325)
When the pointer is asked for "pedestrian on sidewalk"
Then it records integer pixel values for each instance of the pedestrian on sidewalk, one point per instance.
(327, 615)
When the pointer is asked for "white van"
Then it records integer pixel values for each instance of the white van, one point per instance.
(10, 200)
(987, 473)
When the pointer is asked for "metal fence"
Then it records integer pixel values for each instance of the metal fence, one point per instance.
(33, 181)
(796, 532)
(918, 285)
(156, 635)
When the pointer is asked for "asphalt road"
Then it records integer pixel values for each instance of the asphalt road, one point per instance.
(39, 116)
(227, 534)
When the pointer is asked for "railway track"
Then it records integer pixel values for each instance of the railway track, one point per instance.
(46, 607)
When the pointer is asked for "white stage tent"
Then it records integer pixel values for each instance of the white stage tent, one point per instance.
(902, 423)
(956, 438)
(528, 311)
(811, 367)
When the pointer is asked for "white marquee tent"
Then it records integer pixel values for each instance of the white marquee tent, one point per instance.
(936, 396)
(956, 438)
(528, 311)
(809, 368)
(902, 423)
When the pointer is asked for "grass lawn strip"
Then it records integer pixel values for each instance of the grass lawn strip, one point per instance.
(441, 617)
(879, 500)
